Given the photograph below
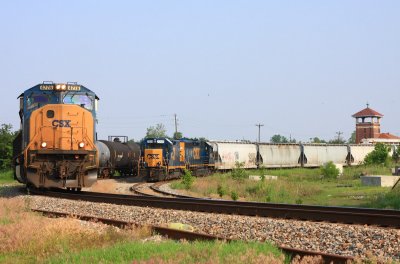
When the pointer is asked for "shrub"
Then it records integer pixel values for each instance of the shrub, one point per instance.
(221, 190)
(239, 173)
(379, 156)
(187, 179)
(329, 170)
(234, 195)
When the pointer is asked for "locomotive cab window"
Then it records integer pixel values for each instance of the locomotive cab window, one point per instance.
(83, 99)
(37, 100)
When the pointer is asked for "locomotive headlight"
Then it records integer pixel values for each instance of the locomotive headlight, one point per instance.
(44, 144)
(81, 145)
(61, 87)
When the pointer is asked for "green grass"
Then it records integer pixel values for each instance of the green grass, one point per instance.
(174, 252)
(296, 186)
(6, 177)
(390, 200)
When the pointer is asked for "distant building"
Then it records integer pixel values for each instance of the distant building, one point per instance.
(368, 128)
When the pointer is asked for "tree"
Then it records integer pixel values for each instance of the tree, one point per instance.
(317, 140)
(281, 139)
(378, 156)
(158, 131)
(352, 139)
(337, 141)
(6, 140)
(178, 135)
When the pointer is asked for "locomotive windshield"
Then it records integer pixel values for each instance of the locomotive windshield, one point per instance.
(43, 94)
(78, 98)
(39, 99)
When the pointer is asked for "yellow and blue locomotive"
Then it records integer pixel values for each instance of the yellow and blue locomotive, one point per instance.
(56, 144)
(164, 159)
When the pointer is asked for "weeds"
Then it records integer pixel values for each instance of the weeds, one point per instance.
(221, 190)
(239, 173)
(234, 195)
(298, 185)
(330, 171)
(187, 179)
(390, 200)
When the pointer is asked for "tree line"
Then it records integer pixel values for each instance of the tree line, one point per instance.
(279, 139)
(7, 136)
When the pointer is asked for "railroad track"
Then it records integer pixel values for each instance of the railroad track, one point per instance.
(192, 236)
(153, 189)
(347, 215)
(143, 189)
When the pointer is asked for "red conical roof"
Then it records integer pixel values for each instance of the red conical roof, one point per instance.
(367, 112)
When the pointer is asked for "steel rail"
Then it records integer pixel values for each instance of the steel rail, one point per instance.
(192, 236)
(348, 215)
(156, 188)
(136, 189)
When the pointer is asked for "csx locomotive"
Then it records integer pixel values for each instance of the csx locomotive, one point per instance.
(164, 159)
(56, 144)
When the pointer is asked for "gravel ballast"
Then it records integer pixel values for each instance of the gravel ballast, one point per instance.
(352, 240)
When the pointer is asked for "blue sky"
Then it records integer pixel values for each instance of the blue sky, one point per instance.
(302, 68)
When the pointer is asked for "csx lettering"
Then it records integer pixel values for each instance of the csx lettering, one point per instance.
(61, 123)
(153, 156)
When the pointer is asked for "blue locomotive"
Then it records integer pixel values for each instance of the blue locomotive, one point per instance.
(163, 158)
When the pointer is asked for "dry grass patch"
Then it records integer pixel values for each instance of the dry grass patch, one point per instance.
(27, 234)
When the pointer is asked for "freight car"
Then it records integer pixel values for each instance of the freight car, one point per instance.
(116, 155)
(56, 144)
(267, 155)
(226, 154)
(164, 159)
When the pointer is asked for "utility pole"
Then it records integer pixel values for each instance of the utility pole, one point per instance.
(176, 124)
(338, 137)
(259, 131)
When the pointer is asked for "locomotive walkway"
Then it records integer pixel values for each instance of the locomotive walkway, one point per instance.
(347, 215)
